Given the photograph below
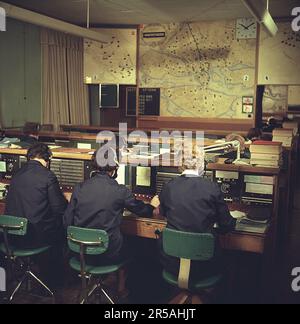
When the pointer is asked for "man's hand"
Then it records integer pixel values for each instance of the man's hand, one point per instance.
(68, 196)
(155, 202)
(156, 213)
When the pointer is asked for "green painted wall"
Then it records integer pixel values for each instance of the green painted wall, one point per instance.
(20, 74)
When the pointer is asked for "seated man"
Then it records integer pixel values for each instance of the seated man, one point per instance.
(34, 193)
(99, 203)
(31, 134)
(193, 204)
(255, 134)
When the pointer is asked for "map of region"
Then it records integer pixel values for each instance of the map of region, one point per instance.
(275, 99)
(280, 56)
(201, 68)
(114, 62)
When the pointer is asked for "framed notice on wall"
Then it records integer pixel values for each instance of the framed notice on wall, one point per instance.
(248, 105)
(149, 101)
(109, 95)
(131, 102)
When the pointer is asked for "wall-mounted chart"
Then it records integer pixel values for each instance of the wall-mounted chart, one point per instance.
(279, 57)
(294, 98)
(201, 68)
(275, 99)
(114, 62)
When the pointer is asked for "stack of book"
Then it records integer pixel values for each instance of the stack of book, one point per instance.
(284, 136)
(291, 125)
(266, 154)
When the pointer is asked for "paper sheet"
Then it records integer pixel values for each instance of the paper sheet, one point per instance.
(2, 166)
(121, 179)
(237, 214)
(143, 176)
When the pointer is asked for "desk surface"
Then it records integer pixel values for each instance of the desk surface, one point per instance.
(147, 228)
(82, 154)
(77, 136)
(237, 241)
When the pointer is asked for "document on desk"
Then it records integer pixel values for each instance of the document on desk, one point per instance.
(143, 176)
(246, 225)
(2, 166)
(238, 214)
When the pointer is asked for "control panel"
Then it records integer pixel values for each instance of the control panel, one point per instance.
(143, 180)
(165, 175)
(230, 184)
(9, 165)
(258, 190)
(248, 189)
(70, 172)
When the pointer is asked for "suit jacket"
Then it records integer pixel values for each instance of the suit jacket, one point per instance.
(99, 203)
(193, 204)
(35, 194)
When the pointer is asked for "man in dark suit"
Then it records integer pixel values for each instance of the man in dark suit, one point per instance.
(34, 193)
(193, 204)
(31, 134)
(99, 203)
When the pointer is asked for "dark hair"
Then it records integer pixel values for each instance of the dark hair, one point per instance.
(39, 151)
(31, 129)
(255, 133)
(111, 166)
(272, 121)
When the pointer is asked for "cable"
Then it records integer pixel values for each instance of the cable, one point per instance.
(88, 15)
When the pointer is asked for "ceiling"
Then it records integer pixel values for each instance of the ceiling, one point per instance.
(132, 12)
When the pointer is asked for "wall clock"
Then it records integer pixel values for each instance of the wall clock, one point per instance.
(246, 28)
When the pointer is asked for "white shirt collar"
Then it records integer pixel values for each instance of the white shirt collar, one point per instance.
(192, 173)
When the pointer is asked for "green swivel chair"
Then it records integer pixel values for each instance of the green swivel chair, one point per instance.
(15, 226)
(189, 247)
(90, 242)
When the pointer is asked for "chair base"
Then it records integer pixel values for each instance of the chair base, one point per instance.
(29, 275)
(97, 288)
(187, 297)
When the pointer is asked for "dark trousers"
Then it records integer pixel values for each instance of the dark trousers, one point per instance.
(50, 263)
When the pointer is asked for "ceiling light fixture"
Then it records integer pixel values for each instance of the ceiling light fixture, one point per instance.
(260, 11)
(88, 14)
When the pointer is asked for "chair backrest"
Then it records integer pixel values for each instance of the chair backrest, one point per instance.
(188, 247)
(191, 246)
(94, 242)
(13, 225)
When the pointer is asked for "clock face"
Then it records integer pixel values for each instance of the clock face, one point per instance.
(246, 28)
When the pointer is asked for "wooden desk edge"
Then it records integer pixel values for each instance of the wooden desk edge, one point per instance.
(235, 241)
